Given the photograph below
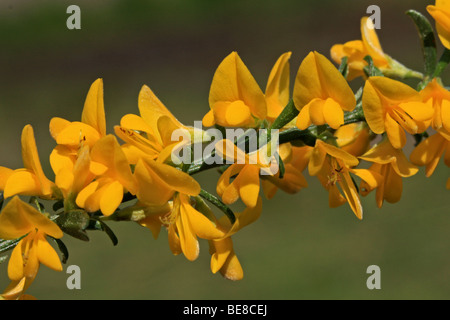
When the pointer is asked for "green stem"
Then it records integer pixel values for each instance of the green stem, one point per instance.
(219, 204)
(442, 64)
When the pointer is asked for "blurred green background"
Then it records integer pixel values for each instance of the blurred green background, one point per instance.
(299, 248)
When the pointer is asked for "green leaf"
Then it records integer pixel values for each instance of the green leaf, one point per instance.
(1, 200)
(281, 167)
(371, 70)
(58, 205)
(219, 204)
(74, 223)
(6, 245)
(62, 247)
(100, 225)
(343, 68)
(443, 63)
(287, 115)
(428, 41)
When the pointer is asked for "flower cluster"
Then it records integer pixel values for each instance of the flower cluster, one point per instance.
(323, 126)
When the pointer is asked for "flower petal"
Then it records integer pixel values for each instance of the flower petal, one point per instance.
(46, 254)
(94, 110)
(277, 88)
(395, 132)
(333, 113)
(31, 160)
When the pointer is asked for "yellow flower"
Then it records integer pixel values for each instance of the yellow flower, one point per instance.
(357, 50)
(223, 257)
(31, 180)
(321, 93)
(106, 192)
(186, 224)
(293, 180)
(429, 152)
(16, 289)
(277, 88)
(75, 139)
(333, 166)
(150, 134)
(235, 98)
(439, 98)
(391, 106)
(353, 138)
(441, 14)
(19, 219)
(246, 168)
(157, 182)
(225, 260)
(92, 126)
(391, 165)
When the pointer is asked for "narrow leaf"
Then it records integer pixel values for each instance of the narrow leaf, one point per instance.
(287, 115)
(219, 204)
(428, 41)
(371, 70)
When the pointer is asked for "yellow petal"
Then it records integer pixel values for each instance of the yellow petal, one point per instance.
(229, 191)
(232, 269)
(152, 189)
(151, 109)
(371, 42)
(31, 160)
(147, 145)
(200, 225)
(277, 88)
(176, 179)
(208, 119)
(307, 85)
(18, 218)
(337, 153)
(94, 110)
(441, 16)
(188, 240)
(134, 122)
(428, 153)
(57, 125)
(394, 187)
(333, 83)
(5, 173)
(111, 198)
(221, 250)
(165, 128)
(174, 240)
(108, 152)
(317, 160)
(46, 254)
(22, 182)
(445, 114)
(394, 90)
(316, 111)
(333, 114)
(351, 194)
(248, 181)
(86, 193)
(335, 198)
(303, 119)
(374, 109)
(233, 81)
(238, 114)
(15, 265)
(77, 133)
(62, 158)
(395, 132)
(417, 110)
